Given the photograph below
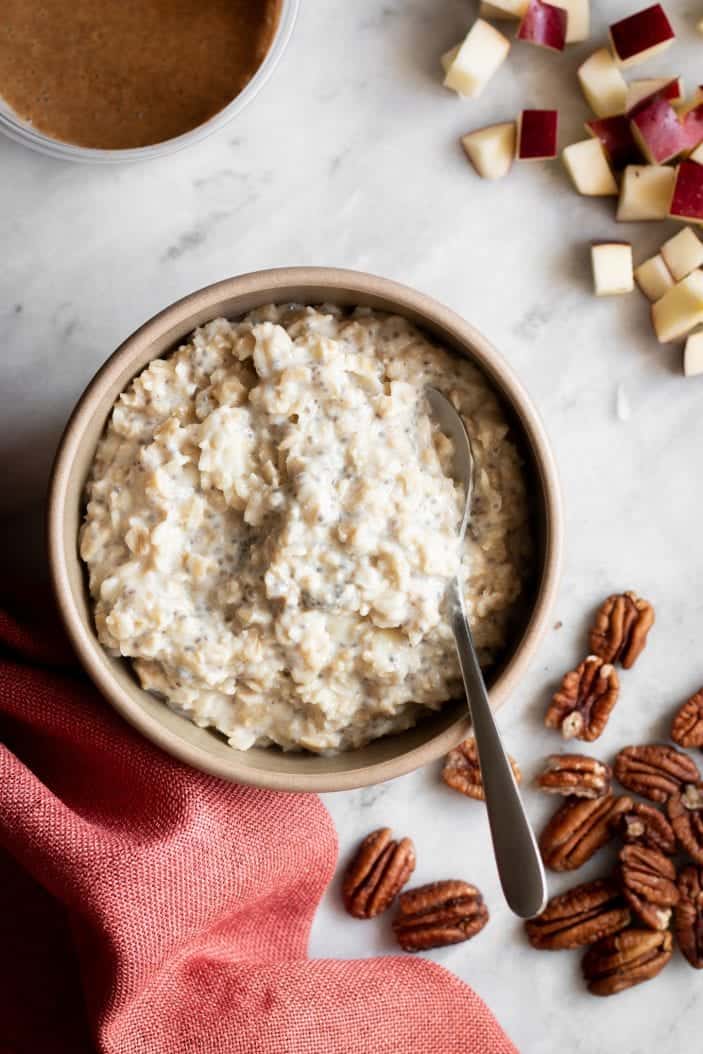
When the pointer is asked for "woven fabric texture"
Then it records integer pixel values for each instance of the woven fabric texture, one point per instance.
(150, 909)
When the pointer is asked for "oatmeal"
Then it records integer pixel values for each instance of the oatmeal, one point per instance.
(271, 526)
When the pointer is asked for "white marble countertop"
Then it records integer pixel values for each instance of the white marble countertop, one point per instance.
(349, 157)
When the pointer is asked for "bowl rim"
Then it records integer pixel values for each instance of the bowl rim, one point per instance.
(21, 131)
(270, 281)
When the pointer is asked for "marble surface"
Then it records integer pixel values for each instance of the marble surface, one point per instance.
(349, 157)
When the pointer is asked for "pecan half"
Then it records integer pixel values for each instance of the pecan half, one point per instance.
(688, 915)
(575, 774)
(580, 916)
(655, 771)
(645, 825)
(462, 771)
(581, 707)
(377, 873)
(620, 629)
(649, 883)
(686, 817)
(687, 726)
(578, 829)
(625, 959)
(437, 914)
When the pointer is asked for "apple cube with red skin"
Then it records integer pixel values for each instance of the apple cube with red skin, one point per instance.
(491, 150)
(545, 25)
(616, 139)
(537, 135)
(687, 200)
(602, 84)
(658, 131)
(641, 35)
(642, 91)
(697, 155)
(692, 121)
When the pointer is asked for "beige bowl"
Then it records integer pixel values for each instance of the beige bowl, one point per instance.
(387, 757)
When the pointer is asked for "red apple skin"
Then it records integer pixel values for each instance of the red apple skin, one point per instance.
(658, 131)
(616, 138)
(687, 201)
(641, 31)
(545, 25)
(670, 92)
(693, 127)
(538, 135)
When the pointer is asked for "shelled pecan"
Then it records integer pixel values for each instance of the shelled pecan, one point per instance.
(649, 883)
(377, 873)
(688, 915)
(687, 726)
(580, 916)
(575, 774)
(625, 959)
(655, 771)
(462, 771)
(645, 825)
(620, 629)
(581, 707)
(686, 817)
(438, 914)
(578, 829)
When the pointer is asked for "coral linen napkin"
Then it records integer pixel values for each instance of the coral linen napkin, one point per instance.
(149, 908)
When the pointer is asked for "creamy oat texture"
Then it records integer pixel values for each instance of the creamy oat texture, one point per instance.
(271, 526)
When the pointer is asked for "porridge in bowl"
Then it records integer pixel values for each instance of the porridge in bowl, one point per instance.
(271, 526)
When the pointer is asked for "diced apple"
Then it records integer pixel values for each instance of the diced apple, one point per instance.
(664, 87)
(588, 167)
(680, 309)
(616, 139)
(692, 121)
(578, 20)
(683, 253)
(658, 131)
(645, 192)
(478, 58)
(642, 35)
(491, 150)
(503, 9)
(612, 268)
(693, 355)
(653, 277)
(687, 199)
(537, 135)
(448, 57)
(602, 84)
(697, 155)
(544, 24)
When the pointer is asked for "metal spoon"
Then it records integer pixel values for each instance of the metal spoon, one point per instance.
(519, 863)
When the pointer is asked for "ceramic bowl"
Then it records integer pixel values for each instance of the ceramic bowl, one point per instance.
(391, 755)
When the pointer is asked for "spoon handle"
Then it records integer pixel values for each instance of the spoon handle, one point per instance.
(518, 859)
